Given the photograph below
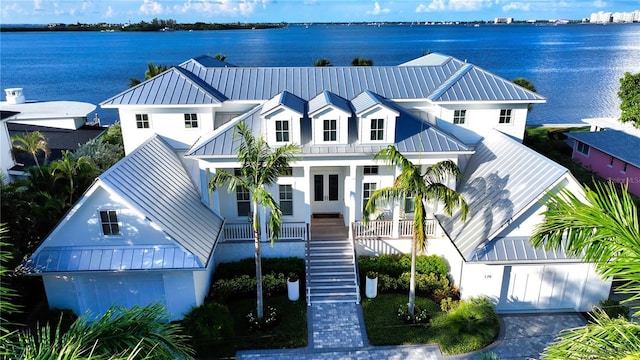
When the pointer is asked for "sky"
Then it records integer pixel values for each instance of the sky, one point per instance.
(231, 11)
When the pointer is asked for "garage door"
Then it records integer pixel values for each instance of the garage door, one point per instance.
(98, 293)
(551, 287)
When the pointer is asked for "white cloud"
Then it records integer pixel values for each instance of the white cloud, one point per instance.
(224, 7)
(600, 3)
(37, 5)
(455, 5)
(377, 10)
(516, 6)
(150, 7)
(109, 12)
(12, 10)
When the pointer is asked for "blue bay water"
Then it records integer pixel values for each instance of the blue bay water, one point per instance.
(576, 67)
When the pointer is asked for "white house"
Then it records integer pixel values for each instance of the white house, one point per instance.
(433, 108)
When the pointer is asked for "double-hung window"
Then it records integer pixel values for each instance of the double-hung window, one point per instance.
(367, 190)
(190, 121)
(330, 130)
(582, 148)
(370, 170)
(142, 121)
(282, 131)
(109, 222)
(459, 117)
(377, 129)
(625, 165)
(286, 199)
(505, 116)
(243, 201)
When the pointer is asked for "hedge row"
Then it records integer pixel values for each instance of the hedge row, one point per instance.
(269, 265)
(244, 286)
(396, 265)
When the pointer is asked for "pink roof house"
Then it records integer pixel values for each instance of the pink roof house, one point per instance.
(612, 154)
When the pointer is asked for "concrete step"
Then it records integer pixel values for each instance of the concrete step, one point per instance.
(334, 298)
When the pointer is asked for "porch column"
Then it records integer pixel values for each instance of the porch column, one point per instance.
(395, 227)
(351, 188)
(306, 191)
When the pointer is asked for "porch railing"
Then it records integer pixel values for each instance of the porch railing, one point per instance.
(383, 229)
(244, 231)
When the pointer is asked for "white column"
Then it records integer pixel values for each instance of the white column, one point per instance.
(395, 228)
(351, 188)
(306, 190)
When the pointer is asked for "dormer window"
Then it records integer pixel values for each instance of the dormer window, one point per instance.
(109, 222)
(142, 121)
(505, 116)
(190, 121)
(459, 117)
(377, 129)
(282, 131)
(330, 130)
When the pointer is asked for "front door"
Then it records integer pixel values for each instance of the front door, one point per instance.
(326, 193)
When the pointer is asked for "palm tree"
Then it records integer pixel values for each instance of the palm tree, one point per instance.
(358, 61)
(32, 143)
(6, 294)
(322, 62)
(75, 170)
(602, 229)
(420, 187)
(527, 85)
(152, 71)
(260, 166)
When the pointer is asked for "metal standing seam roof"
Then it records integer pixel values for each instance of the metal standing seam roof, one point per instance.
(515, 249)
(365, 101)
(412, 136)
(286, 99)
(153, 181)
(503, 178)
(618, 144)
(327, 98)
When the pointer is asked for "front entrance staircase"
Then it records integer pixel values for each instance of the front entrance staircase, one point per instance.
(331, 263)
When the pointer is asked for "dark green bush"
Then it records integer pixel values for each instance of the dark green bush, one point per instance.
(244, 286)
(269, 265)
(613, 309)
(55, 317)
(394, 265)
(208, 324)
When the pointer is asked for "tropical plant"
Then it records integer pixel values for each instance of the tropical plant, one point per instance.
(420, 187)
(121, 333)
(602, 229)
(260, 166)
(152, 71)
(322, 62)
(6, 294)
(33, 143)
(74, 170)
(629, 94)
(220, 57)
(527, 85)
(358, 61)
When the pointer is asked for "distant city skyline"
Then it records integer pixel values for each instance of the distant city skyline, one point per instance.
(230, 11)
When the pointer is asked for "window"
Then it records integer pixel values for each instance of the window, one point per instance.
(505, 116)
(282, 131)
(244, 201)
(109, 221)
(409, 205)
(288, 171)
(611, 161)
(286, 199)
(370, 170)
(459, 116)
(377, 129)
(582, 148)
(624, 167)
(330, 130)
(190, 121)
(142, 121)
(368, 189)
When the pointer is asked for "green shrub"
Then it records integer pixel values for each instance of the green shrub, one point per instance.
(55, 317)
(394, 265)
(387, 284)
(425, 283)
(208, 324)
(269, 265)
(613, 309)
(448, 304)
(244, 286)
(470, 326)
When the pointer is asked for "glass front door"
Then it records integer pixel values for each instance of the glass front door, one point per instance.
(326, 193)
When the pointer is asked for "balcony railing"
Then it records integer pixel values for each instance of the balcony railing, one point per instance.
(244, 231)
(383, 229)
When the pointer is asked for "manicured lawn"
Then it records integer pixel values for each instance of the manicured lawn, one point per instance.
(291, 332)
(465, 329)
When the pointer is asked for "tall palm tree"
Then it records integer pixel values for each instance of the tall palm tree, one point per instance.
(260, 166)
(152, 71)
(33, 143)
(359, 61)
(421, 187)
(75, 170)
(603, 229)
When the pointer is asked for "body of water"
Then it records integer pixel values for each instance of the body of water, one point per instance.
(576, 67)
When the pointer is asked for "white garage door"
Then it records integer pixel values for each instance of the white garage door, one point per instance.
(98, 292)
(551, 287)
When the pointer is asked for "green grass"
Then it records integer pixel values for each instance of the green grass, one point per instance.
(291, 332)
(468, 328)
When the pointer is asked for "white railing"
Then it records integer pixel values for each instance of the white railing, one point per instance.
(244, 231)
(383, 229)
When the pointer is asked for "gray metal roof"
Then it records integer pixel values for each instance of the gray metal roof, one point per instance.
(286, 99)
(327, 98)
(365, 101)
(413, 135)
(263, 83)
(503, 179)
(175, 86)
(111, 258)
(516, 249)
(618, 144)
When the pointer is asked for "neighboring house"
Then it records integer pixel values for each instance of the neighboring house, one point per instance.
(610, 151)
(63, 123)
(433, 108)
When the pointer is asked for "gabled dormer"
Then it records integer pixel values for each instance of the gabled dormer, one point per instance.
(330, 116)
(377, 121)
(281, 117)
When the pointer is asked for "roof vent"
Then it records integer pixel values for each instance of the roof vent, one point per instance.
(14, 95)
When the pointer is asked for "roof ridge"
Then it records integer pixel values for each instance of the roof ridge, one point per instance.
(450, 81)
